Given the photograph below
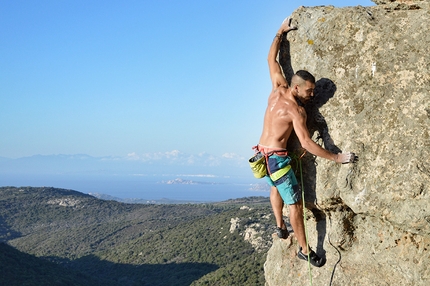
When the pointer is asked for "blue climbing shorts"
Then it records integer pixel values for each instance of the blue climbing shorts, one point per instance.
(281, 176)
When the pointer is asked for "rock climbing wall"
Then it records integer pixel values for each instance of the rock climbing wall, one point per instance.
(371, 219)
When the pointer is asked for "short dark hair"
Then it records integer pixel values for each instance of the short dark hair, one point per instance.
(305, 75)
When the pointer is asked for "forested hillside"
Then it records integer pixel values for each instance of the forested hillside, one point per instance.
(19, 268)
(83, 240)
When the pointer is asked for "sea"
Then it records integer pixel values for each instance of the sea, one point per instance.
(148, 187)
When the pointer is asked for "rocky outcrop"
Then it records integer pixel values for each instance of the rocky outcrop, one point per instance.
(371, 219)
(255, 232)
(65, 202)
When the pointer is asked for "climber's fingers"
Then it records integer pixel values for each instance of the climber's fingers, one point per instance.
(345, 158)
(287, 22)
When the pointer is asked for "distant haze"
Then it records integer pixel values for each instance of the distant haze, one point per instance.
(172, 175)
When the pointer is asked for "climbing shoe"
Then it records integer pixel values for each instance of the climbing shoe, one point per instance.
(314, 259)
(282, 233)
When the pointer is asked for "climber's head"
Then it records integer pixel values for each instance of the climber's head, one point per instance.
(303, 85)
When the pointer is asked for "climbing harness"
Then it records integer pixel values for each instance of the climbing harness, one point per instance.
(259, 161)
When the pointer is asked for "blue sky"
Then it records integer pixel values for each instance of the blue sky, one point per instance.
(111, 78)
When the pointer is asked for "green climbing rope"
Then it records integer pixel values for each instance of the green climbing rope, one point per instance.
(304, 217)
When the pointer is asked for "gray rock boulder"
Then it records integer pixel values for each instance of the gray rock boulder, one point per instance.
(371, 219)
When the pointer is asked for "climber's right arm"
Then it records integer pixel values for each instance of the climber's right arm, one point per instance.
(276, 75)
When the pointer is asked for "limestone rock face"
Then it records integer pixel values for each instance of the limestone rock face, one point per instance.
(370, 219)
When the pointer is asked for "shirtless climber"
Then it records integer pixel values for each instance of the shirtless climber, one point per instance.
(284, 113)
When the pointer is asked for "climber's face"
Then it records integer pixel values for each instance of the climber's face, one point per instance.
(305, 91)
